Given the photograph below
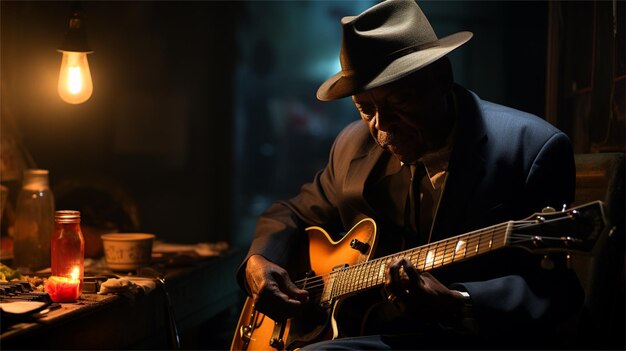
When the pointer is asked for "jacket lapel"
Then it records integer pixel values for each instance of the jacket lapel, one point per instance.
(360, 168)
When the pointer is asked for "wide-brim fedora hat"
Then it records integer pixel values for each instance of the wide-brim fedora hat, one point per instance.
(385, 43)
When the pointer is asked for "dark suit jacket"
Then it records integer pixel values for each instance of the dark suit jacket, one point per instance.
(505, 164)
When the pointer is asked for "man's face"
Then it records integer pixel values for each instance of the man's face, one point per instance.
(408, 117)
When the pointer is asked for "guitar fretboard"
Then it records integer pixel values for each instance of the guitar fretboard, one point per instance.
(369, 274)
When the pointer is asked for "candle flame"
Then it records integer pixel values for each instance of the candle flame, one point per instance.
(75, 273)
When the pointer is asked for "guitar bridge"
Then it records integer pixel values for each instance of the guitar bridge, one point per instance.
(276, 341)
(246, 330)
(245, 333)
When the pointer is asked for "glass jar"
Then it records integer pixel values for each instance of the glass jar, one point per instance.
(68, 258)
(34, 222)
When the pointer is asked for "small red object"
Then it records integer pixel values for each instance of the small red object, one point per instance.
(63, 289)
(67, 259)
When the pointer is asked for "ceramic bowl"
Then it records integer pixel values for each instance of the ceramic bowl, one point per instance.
(127, 251)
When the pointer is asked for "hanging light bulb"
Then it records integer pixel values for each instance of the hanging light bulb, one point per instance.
(75, 84)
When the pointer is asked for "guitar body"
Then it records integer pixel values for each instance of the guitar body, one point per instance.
(255, 331)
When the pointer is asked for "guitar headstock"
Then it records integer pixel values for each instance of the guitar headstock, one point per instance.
(574, 229)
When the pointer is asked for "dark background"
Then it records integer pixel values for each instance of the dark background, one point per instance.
(204, 112)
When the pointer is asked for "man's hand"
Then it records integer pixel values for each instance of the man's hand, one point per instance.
(420, 295)
(273, 291)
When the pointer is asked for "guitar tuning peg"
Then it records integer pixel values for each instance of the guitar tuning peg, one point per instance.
(564, 207)
(548, 209)
(574, 214)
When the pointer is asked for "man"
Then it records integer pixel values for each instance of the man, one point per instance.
(475, 164)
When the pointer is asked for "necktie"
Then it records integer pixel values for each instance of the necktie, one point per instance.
(412, 206)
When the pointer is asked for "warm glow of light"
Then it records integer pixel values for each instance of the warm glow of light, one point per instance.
(75, 81)
(75, 84)
(75, 273)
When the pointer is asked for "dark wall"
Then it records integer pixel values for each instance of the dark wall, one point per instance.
(588, 90)
(505, 61)
(158, 124)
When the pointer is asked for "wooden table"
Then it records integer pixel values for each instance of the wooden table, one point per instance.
(199, 292)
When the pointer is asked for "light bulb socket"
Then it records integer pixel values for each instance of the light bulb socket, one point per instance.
(75, 38)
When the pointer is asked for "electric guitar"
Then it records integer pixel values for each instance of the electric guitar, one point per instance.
(344, 268)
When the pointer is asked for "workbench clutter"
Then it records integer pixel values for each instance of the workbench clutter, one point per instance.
(173, 253)
(128, 286)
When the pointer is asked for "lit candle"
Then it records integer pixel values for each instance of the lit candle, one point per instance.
(64, 289)
(67, 257)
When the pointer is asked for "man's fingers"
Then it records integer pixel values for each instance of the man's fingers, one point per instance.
(413, 274)
(287, 286)
(277, 305)
(273, 291)
(393, 279)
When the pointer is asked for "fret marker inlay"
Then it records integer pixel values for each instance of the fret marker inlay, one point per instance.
(459, 246)
(430, 257)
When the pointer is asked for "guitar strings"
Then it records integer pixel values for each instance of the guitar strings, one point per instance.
(499, 232)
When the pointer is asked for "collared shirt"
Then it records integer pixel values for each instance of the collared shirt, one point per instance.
(432, 185)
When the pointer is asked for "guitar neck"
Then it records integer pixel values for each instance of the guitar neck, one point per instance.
(370, 274)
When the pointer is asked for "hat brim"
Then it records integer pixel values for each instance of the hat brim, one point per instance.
(340, 86)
